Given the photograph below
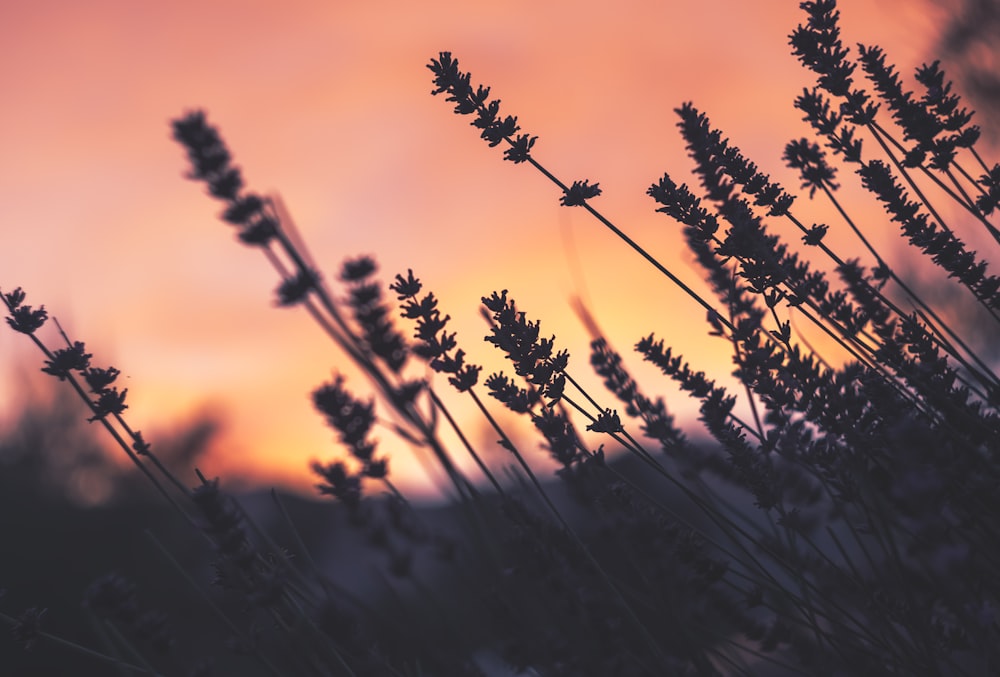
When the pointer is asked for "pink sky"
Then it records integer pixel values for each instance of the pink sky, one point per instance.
(328, 104)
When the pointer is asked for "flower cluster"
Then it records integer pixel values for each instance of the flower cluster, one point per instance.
(871, 458)
(353, 420)
(241, 566)
(258, 224)
(23, 319)
(829, 122)
(63, 362)
(534, 358)
(937, 242)
(448, 79)
(371, 314)
(339, 482)
(434, 344)
(819, 47)
(658, 424)
(807, 157)
(224, 523)
(753, 466)
(212, 163)
(66, 360)
(579, 193)
(989, 200)
(922, 121)
(536, 361)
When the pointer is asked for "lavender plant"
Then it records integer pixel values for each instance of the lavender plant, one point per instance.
(841, 522)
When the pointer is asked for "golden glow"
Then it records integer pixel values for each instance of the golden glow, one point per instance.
(328, 103)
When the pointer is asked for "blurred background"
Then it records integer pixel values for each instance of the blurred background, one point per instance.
(328, 105)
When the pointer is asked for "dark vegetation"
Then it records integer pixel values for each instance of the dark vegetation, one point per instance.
(843, 521)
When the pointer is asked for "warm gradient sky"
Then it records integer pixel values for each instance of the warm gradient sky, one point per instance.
(328, 103)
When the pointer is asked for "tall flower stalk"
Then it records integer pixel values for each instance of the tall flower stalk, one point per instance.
(840, 519)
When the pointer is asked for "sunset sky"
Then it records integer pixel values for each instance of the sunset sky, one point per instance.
(328, 104)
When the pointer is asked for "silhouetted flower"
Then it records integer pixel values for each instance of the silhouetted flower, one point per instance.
(840, 138)
(516, 399)
(339, 483)
(446, 73)
(520, 151)
(407, 287)
(227, 184)
(211, 163)
(990, 200)
(365, 301)
(139, 445)
(259, 231)
(448, 79)
(501, 130)
(435, 345)
(295, 289)
(818, 47)
(873, 470)
(222, 520)
(207, 153)
(533, 357)
(66, 360)
(241, 210)
(98, 379)
(406, 392)
(816, 234)
(941, 245)
(27, 320)
(658, 424)
(356, 270)
(809, 159)
(579, 193)
(109, 402)
(377, 469)
(487, 117)
(607, 422)
(13, 299)
(561, 441)
(351, 418)
(753, 467)
(917, 122)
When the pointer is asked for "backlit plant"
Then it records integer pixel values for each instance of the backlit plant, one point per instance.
(872, 467)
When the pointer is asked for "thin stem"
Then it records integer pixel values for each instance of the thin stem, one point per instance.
(465, 442)
(82, 650)
(984, 374)
(626, 607)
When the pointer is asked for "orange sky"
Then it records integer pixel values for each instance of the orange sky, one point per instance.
(328, 103)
